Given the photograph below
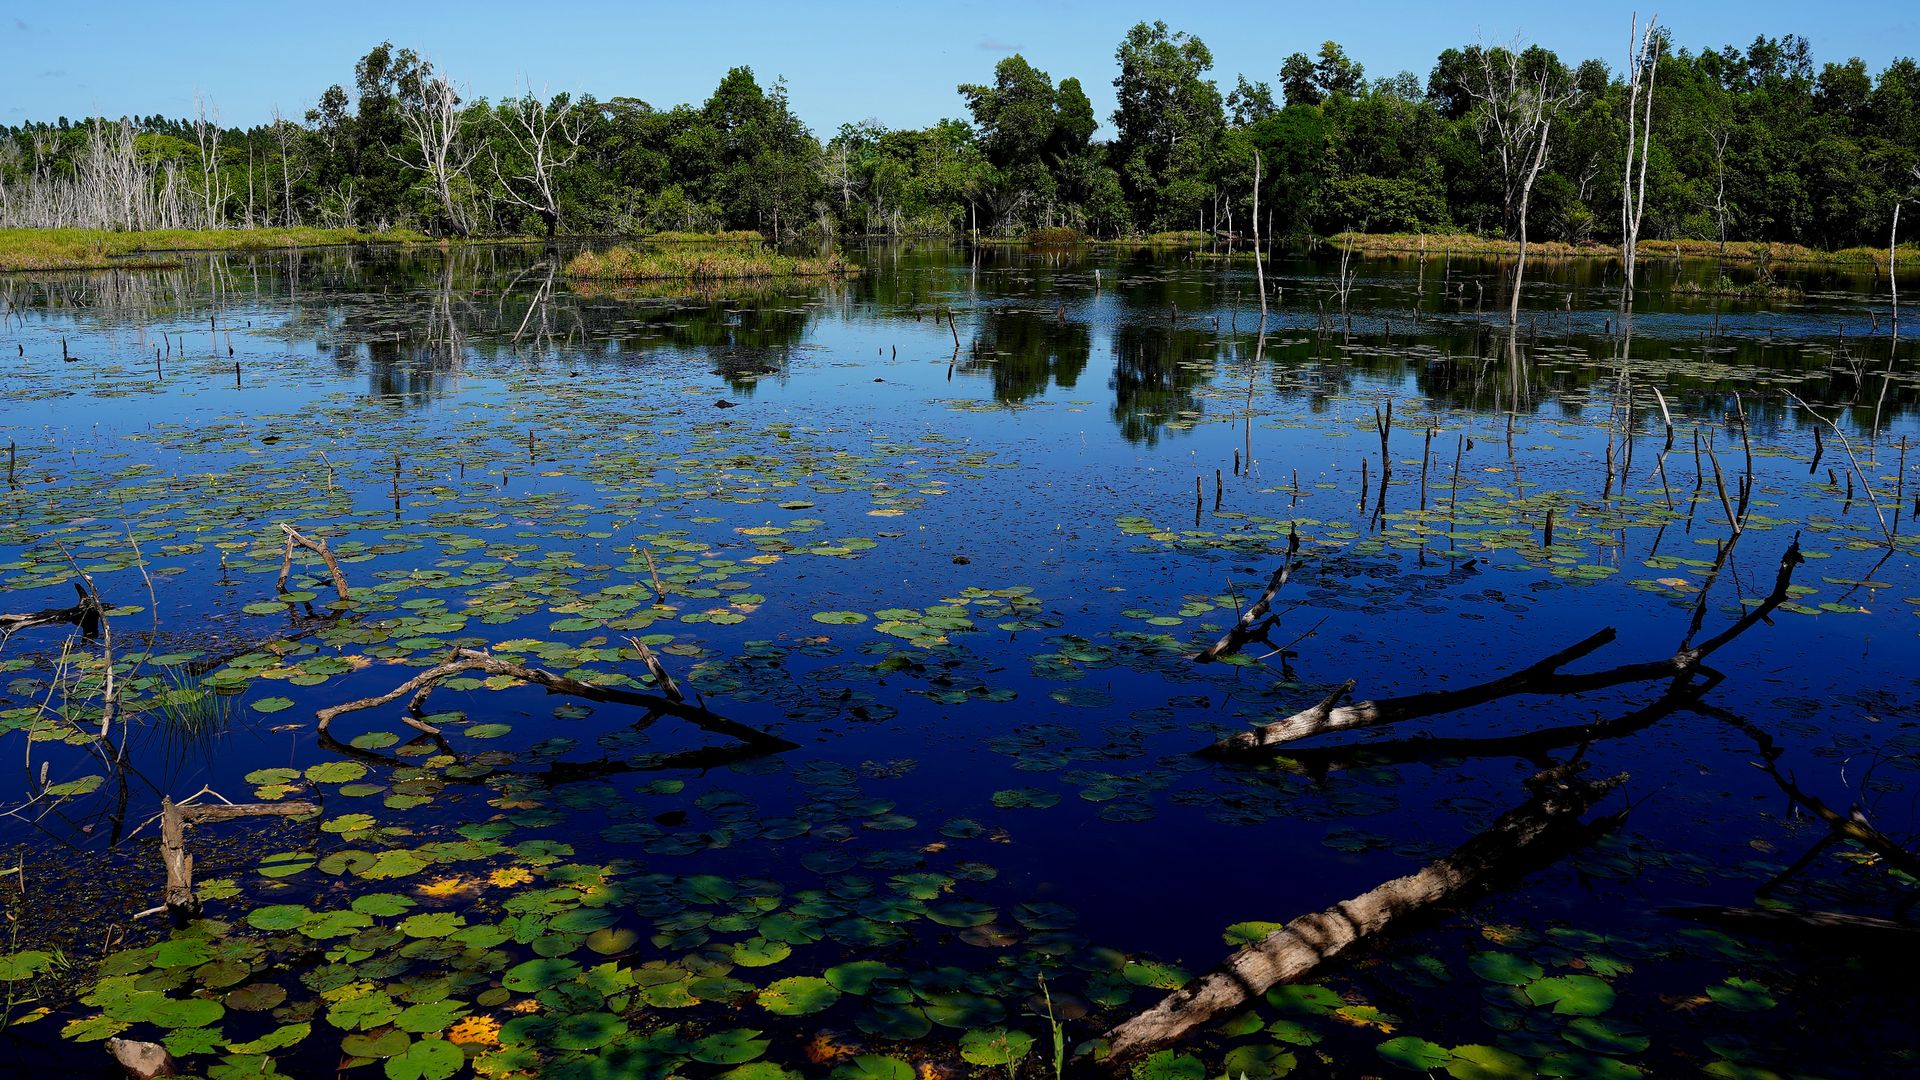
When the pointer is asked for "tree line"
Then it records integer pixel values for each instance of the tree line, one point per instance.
(1750, 144)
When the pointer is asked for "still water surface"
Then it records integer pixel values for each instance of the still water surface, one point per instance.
(953, 528)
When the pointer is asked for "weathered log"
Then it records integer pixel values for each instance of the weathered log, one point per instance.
(1543, 677)
(1314, 721)
(319, 547)
(181, 902)
(469, 660)
(1294, 950)
(1320, 761)
(1250, 626)
(142, 1060)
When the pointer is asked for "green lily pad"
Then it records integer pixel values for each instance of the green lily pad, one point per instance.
(1478, 1062)
(1169, 1065)
(994, 1046)
(428, 1059)
(798, 995)
(1412, 1053)
(1572, 995)
(732, 1047)
(587, 1031)
(1504, 968)
(874, 1067)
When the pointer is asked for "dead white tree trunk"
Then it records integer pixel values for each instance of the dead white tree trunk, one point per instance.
(547, 138)
(1259, 269)
(445, 155)
(284, 133)
(1516, 109)
(1643, 58)
(206, 135)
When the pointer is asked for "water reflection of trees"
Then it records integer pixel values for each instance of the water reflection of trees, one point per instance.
(1155, 372)
(1021, 356)
(419, 318)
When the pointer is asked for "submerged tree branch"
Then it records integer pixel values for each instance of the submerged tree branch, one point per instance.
(463, 661)
(1294, 950)
(1544, 677)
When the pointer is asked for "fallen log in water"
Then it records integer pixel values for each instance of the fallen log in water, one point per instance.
(464, 661)
(84, 613)
(1536, 745)
(1296, 949)
(1543, 677)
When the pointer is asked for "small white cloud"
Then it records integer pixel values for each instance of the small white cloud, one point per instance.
(994, 44)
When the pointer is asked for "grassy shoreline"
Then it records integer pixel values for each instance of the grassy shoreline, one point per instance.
(698, 264)
(1741, 251)
(96, 249)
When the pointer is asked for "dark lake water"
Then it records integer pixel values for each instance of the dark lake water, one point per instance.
(954, 529)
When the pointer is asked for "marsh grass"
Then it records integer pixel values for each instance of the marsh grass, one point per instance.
(734, 236)
(1756, 252)
(1725, 287)
(1176, 239)
(88, 249)
(189, 709)
(1060, 237)
(703, 264)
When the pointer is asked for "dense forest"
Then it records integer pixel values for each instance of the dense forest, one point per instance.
(1757, 143)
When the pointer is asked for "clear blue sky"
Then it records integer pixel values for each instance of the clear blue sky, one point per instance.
(896, 62)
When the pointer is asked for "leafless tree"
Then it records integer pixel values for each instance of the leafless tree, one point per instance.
(286, 135)
(546, 137)
(838, 172)
(206, 136)
(1518, 95)
(1719, 137)
(109, 187)
(446, 155)
(1644, 58)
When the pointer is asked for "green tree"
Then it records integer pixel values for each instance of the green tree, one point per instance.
(1169, 122)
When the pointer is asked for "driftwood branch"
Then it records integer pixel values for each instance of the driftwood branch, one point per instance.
(175, 818)
(1849, 826)
(464, 661)
(1536, 745)
(1543, 677)
(1296, 949)
(658, 670)
(1254, 623)
(319, 547)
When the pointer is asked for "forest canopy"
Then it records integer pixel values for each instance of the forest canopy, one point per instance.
(1753, 143)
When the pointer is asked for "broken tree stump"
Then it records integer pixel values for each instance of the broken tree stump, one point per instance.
(1296, 949)
(175, 818)
(318, 547)
(1254, 623)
